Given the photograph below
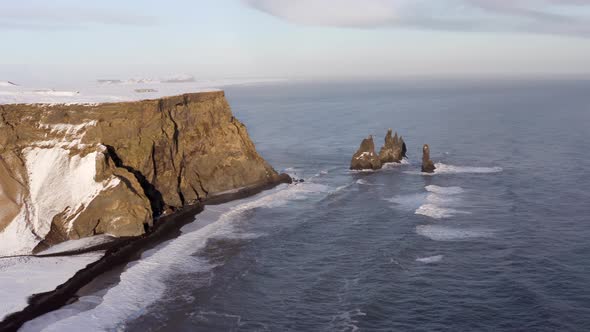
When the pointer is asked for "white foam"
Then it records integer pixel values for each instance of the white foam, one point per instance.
(451, 169)
(430, 260)
(444, 190)
(444, 233)
(408, 202)
(436, 203)
(21, 277)
(363, 170)
(443, 200)
(402, 162)
(339, 189)
(346, 321)
(437, 212)
(143, 282)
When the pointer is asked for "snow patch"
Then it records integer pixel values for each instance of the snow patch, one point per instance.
(58, 184)
(78, 244)
(7, 83)
(55, 93)
(117, 90)
(21, 277)
(66, 128)
(18, 238)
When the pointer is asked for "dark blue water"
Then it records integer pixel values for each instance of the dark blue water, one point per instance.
(497, 240)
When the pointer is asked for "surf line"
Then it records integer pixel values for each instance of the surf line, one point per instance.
(124, 251)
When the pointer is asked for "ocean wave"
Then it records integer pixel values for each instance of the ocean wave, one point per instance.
(451, 169)
(346, 320)
(430, 259)
(437, 202)
(367, 183)
(143, 281)
(408, 202)
(437, 212)
(443, 200)
(444, 233)
(403, 162)
(444, 190)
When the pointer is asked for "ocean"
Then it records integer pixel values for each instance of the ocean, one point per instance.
(495, 240)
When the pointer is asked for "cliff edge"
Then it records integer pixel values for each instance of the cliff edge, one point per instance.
(72, 171)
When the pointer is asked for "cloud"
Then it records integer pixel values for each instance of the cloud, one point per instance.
(42, 17)
(533, 16)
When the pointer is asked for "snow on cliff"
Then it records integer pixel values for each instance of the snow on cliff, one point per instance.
(59, 182)
(114, 90)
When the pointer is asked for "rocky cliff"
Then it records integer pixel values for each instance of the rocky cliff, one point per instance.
(71, 171)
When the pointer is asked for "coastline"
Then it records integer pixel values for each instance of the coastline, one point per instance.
(123, 251)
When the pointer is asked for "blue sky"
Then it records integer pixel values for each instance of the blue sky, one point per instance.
(212, 39)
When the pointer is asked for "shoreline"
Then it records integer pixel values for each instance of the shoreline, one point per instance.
(123, 251)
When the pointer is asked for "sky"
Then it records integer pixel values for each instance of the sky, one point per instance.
(213, 39)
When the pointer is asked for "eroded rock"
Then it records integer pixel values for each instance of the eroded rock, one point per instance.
(427, 164)
(365, 157)
(393, 150)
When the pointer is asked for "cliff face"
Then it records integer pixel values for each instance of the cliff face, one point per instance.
(71, 171)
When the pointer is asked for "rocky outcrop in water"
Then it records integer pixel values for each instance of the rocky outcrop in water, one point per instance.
(394, 149)
(365, 157)
(427, 164)
(71, 171)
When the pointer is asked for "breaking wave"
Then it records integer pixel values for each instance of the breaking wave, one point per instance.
(430, 260)
(437, 202)
(444, 233)
(437, 212)
(143, 281)
(408, 202)
(450, 169)
(444, 190)
(366, 183)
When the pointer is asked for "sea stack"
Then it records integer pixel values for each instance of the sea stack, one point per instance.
(427, 164)
(365, 157)
(393, 150)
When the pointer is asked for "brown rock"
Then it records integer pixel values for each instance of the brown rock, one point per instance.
(11, 195)
(151, 156)
(365, 157)
(394, 149)
(427, 164)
